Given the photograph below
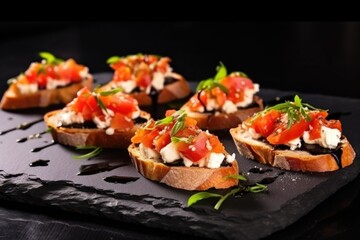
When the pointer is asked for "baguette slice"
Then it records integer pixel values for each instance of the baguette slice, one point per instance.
(223, 120)
(188, 178)
(90, 137)
(176, 90)
(13, 100)
(289, 159)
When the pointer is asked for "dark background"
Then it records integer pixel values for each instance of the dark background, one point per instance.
(311, 57)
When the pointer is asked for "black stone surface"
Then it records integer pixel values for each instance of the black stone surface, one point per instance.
(155, 205)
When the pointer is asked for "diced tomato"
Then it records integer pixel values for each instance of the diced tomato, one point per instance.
(140, 133)
(148, 138)
(123, 104)
(143, 78)
(282, 134)
(162, 140)
(219, 95)
(163, 64)
(32, 72)
(318, 120)
(69, 70)
(216, 145)
(196, 150)
(237, 83)
(117, 65)
(86, 104)
(122, 73)
(149, 59)
(236, 86)
(120, 121)
(190, 122)
(264, 125)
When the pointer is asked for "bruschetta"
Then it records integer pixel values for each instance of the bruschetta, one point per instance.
(174, 151)
(224, 101)
(51, 81)
(106, 119)
(294, 136)
(148, 78)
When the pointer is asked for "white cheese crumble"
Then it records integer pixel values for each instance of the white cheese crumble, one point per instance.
(27, 88)
(248, 96)
(148, 152)
(330, 138)
(128, 86)
(230, 158)
(68, 117)
(169, 153)
(54, 83)
(229, 107)
(158, 81)
(295, 143)
(84, 73)
(215, 160)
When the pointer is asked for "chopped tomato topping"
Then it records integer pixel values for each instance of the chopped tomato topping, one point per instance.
(236, 86)
(123, 104)
(265, 125)
(318, 120)
(148, 139)
(162, 140)
(196, 150)
(69, 70)
(122, 73)
(282, 134)
(119, 121)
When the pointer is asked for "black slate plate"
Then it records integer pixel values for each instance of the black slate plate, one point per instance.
(252, 216)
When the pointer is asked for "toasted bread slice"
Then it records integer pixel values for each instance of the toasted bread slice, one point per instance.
(222, 120)
(188, 178)
(13, 100)
(90, 137)
(295, 160)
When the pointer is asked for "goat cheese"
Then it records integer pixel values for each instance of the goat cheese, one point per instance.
(330, 138)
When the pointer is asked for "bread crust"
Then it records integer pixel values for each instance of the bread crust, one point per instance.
(188, 178)
(224, 120)
(90, 137)
(177, 90)
(297, 160)
(13, 100)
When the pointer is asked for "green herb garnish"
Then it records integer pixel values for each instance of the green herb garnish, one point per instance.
(295, 110)
(204, 195)
(111, 92)
(50, 58)
(211, 83)
(113, 59)
(96, 151)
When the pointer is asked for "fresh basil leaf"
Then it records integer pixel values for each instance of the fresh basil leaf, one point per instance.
(91, 154)
(165, 121)
(111, 92)
(200, 196)
(101, 104)
(221, 72)
(177, 127)
(113, 59)
(50, 58)
(257, 188)
(237, 176)
(85, 147)
(223, 198)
